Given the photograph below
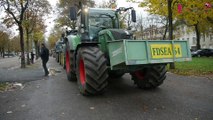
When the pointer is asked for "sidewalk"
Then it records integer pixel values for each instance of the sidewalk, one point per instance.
(30, 73)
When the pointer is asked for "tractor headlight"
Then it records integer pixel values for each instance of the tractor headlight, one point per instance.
(86, 10)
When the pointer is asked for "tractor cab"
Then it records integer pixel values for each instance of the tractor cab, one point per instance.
(91, 21)
(101, 19)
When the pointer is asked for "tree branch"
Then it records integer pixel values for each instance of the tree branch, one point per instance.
(23, 9)
(15, 3)
(10, 12)
(210, 20)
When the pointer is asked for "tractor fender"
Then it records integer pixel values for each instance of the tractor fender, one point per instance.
(73, 41)
(83, 45)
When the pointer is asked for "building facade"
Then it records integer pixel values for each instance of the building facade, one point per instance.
(182, 32)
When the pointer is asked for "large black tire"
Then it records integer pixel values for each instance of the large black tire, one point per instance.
(91, 71)
(150, 77)
(71, 75)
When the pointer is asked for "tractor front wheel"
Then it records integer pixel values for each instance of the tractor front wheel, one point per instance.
(150, 77)
(91, 70)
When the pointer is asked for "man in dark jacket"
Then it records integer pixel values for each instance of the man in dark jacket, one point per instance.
(44, 57)
(32, 57)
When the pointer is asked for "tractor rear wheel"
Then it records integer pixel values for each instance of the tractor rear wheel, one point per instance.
(91, 70)
(150, 77)
(71, 76)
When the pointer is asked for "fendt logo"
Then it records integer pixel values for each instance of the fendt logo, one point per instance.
(165, 51)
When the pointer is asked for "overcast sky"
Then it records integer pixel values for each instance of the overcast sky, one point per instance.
(120, 3)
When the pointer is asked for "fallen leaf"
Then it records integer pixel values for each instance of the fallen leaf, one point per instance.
(9, 112)
(145, 108)
(23, 105)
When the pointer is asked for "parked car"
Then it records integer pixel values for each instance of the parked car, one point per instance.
(202, 52)
(9, 54)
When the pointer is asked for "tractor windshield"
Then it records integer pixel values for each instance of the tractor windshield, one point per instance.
(99, 20)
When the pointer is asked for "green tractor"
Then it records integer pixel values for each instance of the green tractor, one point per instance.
(60, 52)
(98, 49)
(58, 49)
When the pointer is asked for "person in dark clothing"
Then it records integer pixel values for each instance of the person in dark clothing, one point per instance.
(32, 57)
(44, 57)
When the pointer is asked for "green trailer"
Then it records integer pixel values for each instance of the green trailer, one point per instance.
(99, 50)
(124, 53)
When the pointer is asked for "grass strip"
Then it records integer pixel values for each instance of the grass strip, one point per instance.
(198, 66)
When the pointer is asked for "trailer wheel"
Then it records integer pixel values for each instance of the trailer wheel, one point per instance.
(71, 76)
(150, 77)
(91, 70)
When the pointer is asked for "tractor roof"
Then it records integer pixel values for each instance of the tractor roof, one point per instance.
(102, 10)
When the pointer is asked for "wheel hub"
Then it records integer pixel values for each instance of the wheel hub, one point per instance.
(82, 72)
(139, 75)
(67, 62)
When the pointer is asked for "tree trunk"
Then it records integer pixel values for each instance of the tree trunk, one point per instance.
(21, 32)
(172, 65)
(198, 36)
(166, 29)
(37, 49)
(3, 51)
(141, 29)
(8, 49)
(210, 20)
(27, 42)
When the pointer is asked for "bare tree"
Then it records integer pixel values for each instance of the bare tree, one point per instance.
(36, 10)
(4, 38)
(16, 10)
(64, 9)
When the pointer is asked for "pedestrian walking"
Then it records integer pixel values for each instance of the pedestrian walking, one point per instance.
(44, 57)
(32, 57)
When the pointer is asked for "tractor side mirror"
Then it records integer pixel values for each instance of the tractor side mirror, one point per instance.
(73, 13)
(133, 13)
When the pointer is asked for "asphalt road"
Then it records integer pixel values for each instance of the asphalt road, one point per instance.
(10, 70)
(9, 63)
(55, 98)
